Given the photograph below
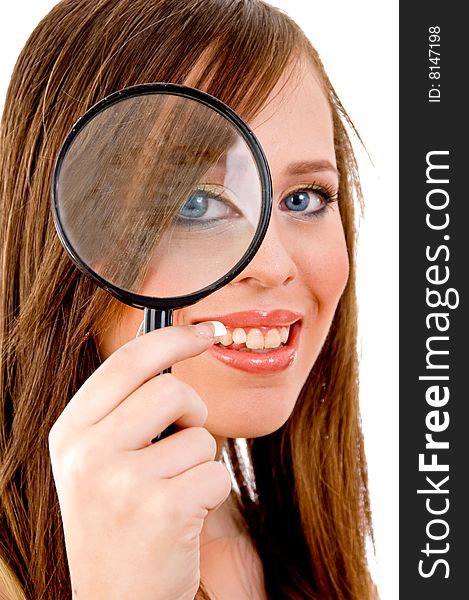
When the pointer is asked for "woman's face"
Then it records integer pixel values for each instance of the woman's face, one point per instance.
(280, 308)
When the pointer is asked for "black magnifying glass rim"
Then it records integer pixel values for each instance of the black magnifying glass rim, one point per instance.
(173, 302)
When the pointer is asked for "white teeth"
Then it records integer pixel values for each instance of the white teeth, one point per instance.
(226, 340)
(272, 339)
(255, 340)
(239, 336)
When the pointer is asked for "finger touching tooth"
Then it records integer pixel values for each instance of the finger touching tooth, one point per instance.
(227, 339)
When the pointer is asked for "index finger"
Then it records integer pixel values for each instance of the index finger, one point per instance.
(135, 363)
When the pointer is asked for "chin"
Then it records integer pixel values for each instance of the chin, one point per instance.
(243, 410)
(243, 429)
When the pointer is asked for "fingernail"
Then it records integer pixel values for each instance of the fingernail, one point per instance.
(210, 329)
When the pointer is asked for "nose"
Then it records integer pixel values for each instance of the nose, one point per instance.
(273, 265)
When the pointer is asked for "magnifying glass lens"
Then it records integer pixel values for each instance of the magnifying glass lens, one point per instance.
(159, 195)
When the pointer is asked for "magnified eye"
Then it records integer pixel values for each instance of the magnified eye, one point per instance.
(308, 202)
(205, 207)
(196, 206)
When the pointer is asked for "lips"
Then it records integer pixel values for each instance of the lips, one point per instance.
(258, 341)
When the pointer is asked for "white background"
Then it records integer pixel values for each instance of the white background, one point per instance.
(358, 43)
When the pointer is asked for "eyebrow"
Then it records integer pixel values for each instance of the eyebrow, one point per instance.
(308, 166)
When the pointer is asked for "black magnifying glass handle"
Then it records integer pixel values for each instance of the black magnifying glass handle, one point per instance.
(157, 319)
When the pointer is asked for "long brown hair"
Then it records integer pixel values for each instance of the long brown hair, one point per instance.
(306, 507)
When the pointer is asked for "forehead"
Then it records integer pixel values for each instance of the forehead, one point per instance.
(295, 123)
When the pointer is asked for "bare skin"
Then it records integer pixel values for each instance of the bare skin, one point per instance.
(230, 566)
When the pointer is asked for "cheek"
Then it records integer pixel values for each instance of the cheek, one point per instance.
(191, 267)
(329, 272)
(321, 257)
(120, 333)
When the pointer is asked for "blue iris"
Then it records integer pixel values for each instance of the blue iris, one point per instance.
(298, 201)
(195, 207)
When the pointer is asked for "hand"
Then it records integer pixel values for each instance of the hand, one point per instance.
(133, 511)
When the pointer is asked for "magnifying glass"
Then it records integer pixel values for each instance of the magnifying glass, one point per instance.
(161, 194)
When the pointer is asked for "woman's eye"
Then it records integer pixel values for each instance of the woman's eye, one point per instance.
(306, 202)
(204, 207)
(195, 207)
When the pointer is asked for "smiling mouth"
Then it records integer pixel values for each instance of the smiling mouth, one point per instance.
(259, 359)
(258, 341)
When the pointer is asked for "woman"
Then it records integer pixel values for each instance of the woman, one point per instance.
(123, 518)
